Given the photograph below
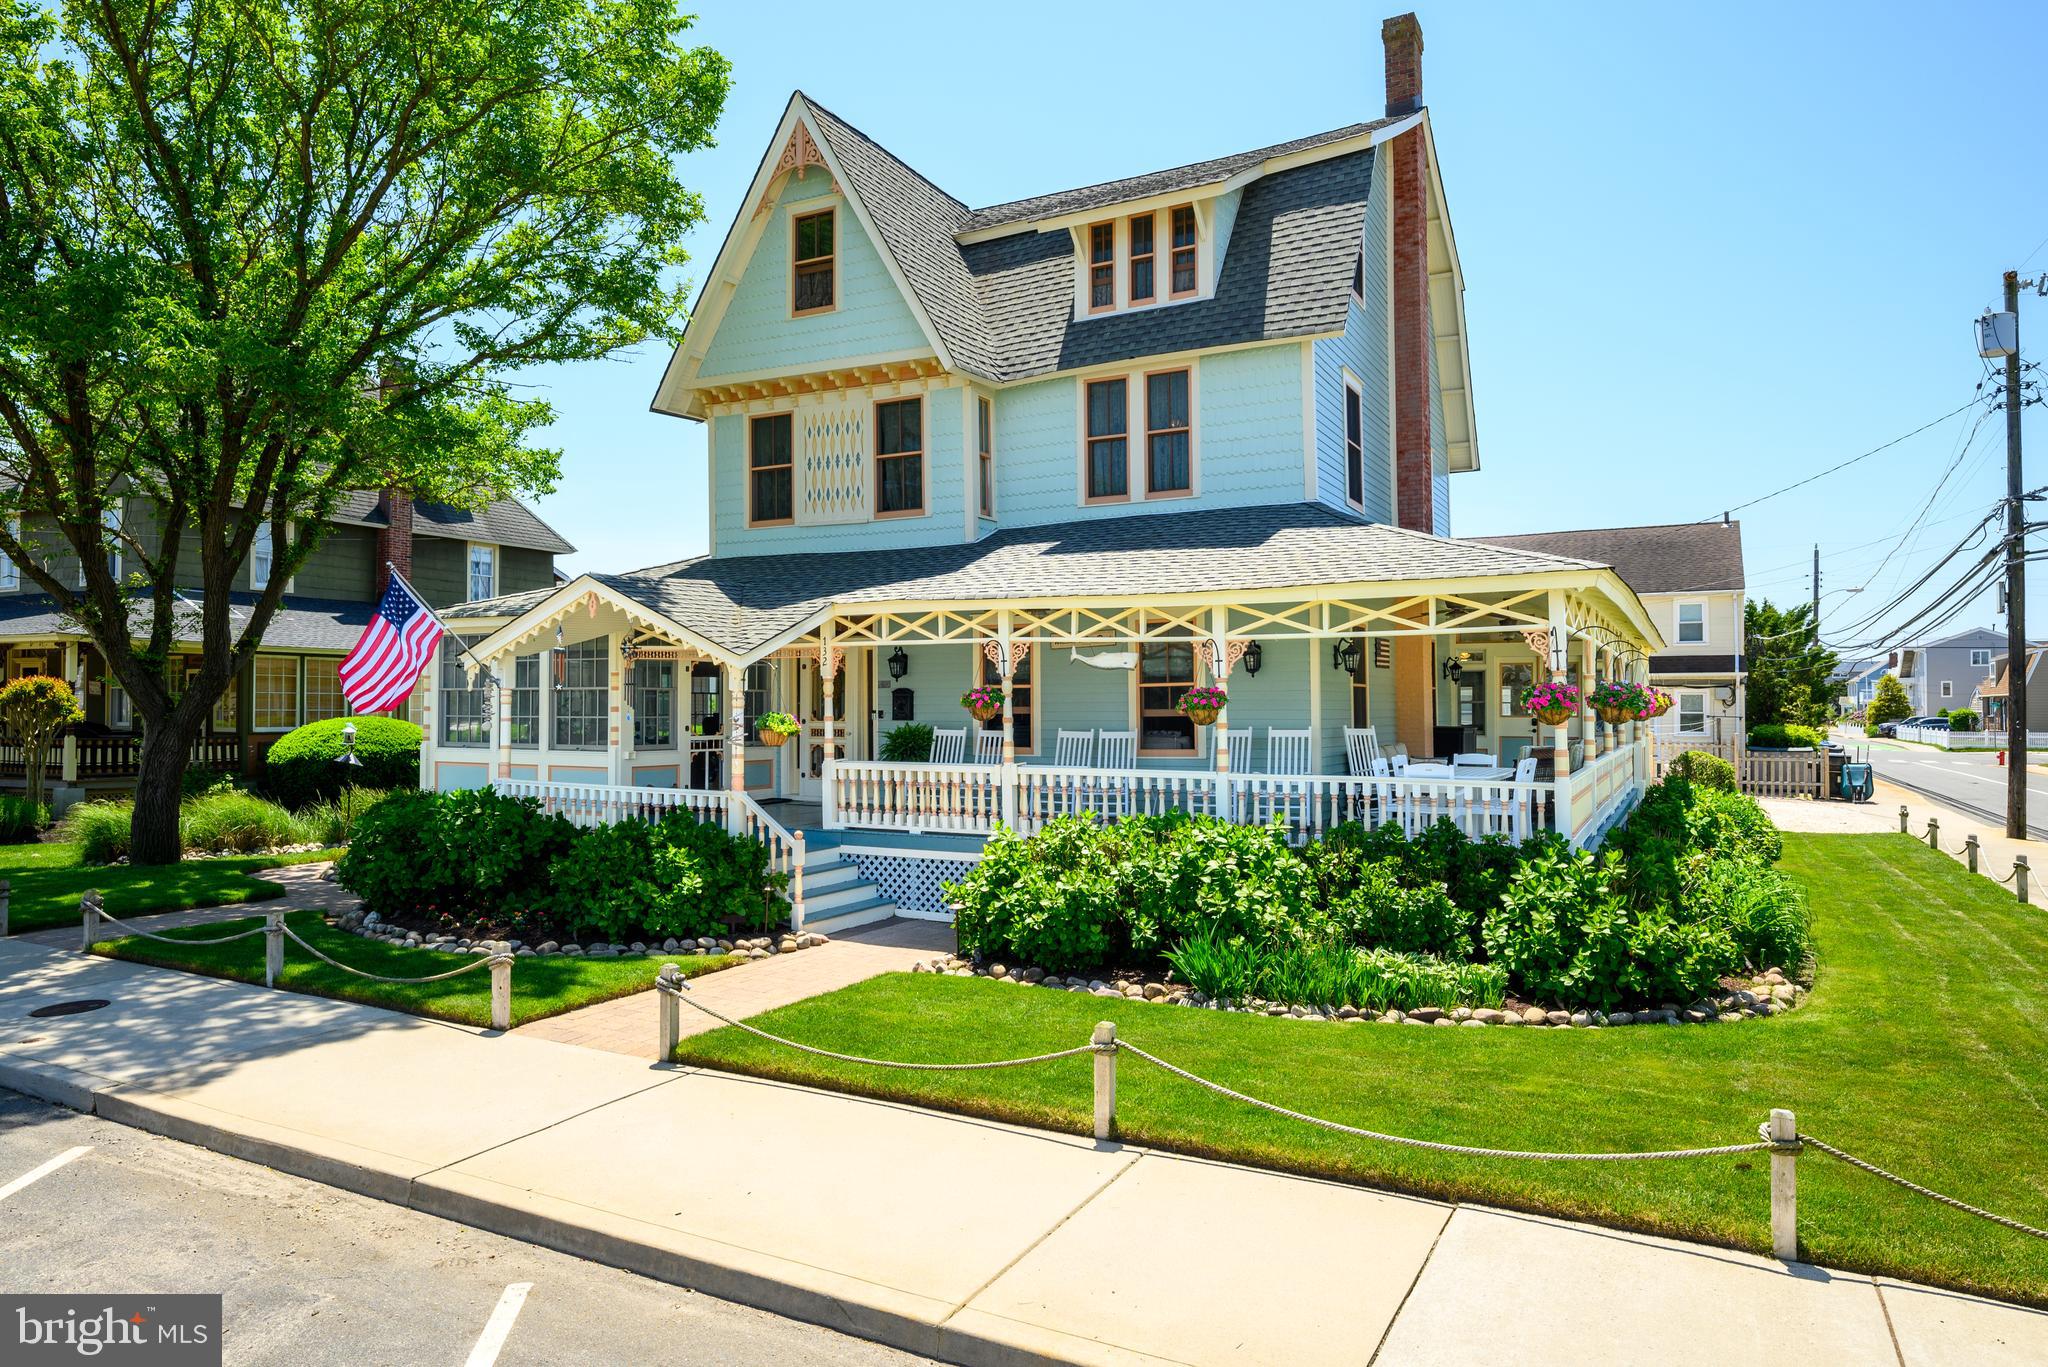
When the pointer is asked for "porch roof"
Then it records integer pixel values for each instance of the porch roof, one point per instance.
(741, 604)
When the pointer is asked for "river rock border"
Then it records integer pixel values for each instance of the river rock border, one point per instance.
(1770, 993)
(372, 926)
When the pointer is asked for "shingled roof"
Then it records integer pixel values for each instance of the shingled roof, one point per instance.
(505, 521)
(1677, 557)
(297, 624)
(741, 603)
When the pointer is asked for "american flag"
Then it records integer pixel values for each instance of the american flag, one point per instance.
(380, 671)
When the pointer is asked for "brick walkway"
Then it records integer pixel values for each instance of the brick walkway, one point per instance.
(626, 1025)
(305, 885)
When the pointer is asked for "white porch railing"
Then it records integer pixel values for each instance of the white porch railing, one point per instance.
(599, 804)
(964, 799)
(785, 849)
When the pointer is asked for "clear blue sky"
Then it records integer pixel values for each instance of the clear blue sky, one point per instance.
(1706, 251)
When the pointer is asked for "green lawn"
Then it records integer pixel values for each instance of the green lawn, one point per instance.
(541, 987)
(47, 879)
(1924, 1048)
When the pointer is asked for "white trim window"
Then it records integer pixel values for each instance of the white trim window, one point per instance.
(1692, 714)
(1692, 623)
(1948, 688)
(1354, 443)
(10, 573)
(262, 557)
(483, 571)
(120, 714)
(583, 696)
(1980, 659)
(465, 706)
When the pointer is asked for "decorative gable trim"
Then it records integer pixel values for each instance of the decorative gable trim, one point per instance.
(1447, 311)
(800, 146)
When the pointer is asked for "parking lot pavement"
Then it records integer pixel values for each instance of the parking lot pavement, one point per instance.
(312, 1275)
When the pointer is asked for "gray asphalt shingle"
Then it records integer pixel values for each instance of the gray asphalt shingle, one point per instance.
(298, 624)
(1679, 557)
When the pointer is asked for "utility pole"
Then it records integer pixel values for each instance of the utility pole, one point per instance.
(2015, 586)
(1816, 593)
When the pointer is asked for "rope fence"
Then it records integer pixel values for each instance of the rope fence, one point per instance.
(1779, 1136)
(2021, 875)
(92, 910)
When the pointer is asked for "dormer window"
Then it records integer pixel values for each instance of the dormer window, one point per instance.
(1101, 266)
(812, 257)
(1358, 277)
(1183, 242)
(1143, 290)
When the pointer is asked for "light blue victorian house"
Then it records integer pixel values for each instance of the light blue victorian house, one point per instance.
(1093, 448)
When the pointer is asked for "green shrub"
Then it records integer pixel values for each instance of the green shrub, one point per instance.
(198, 782)
(21, 820)
(1780, 736)
(1331, 974)
(909, 743)
(238, 823)
(1963, 719)
(303, 767)
(1762, 909)
(678, 876)
(1705, 770)
(398, 862)
(1377, 912)
(333, 822)
(1048, 900)
(1888, 703)
(99, 829)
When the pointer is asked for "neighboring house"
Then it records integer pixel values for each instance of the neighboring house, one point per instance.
(450, 554)
(1856, 683)
(1689, 576)
(1098, 446)
(1990, 697)
(1942, 674)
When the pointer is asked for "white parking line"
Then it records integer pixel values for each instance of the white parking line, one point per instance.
(38, 1173)
(500, 1326)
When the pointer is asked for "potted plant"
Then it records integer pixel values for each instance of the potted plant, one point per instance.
(776, 728)
(1202, 702)
(1618, 700)
(983, 700)
(1551, 703)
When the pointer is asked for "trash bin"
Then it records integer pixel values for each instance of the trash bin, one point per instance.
(1858, 783)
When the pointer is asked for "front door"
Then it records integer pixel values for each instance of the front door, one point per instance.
(850, 707)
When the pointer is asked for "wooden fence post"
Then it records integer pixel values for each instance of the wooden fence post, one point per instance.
(1784, 1187)
(1902, 818)
(89, 920)
(1105, 1079)
(1970, 850)
(1933, 834)
(501, 991)
(4, 895)
(2020, 875)
(669, 1029)
(273, 947)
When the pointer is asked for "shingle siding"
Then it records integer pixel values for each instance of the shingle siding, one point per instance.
(440, 570)
(343, 566)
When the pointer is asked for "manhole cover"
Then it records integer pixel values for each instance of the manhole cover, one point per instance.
(71, 1008)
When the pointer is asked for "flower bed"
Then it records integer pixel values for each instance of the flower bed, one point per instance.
(1680, 915)
(472, 940)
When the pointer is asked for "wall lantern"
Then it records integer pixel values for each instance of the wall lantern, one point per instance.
(1454, 666)
(1345, 655)
(899, 663)
(1254, 656)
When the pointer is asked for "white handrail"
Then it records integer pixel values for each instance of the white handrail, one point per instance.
(600, 804)
(785, 849)
(887, 795)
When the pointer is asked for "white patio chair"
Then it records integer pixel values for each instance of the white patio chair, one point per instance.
(1239, 738)
(1361, 748)
(949, 745)
(1119, 750)
(1074, 750)
(1287, 755)
(1286, 751)
(1477, 759)
(1508, 812)
(988, 746)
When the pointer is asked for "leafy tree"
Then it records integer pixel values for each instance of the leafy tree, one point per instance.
(1789, 668)
(32, 711)
(1889, 702)
(255, 254)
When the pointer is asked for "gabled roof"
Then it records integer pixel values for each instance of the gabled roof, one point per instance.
(742, 604)
(1677, 557)
(505, 521)
(999, 305)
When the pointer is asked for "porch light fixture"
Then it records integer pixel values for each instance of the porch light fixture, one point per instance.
(1345, 655)
(899, 663)
(1454, 667)
(1254, 656)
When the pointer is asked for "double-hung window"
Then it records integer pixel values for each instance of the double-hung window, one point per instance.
(262, 557)
(1692, 714)
(1354, 446)
(111, 520)
(10, 573)
(812, 260)
(1108, 460)
(757, 685)
(274, 693)
(1169, 465)
(1144, 285)
(1020, 694)
(120, 716)
(1182, 263)
(1101, 267)
(985, 436)
(583, 695)
(654, 704)
(465, 715)
(1980, 659)
(770, 457)
(323, 689)
(525, 720)
(1166, 671)
(899, 458)
(1692, 623)
(483, 572)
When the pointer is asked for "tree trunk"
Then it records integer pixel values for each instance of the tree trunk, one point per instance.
(35, 758)
(153, 835)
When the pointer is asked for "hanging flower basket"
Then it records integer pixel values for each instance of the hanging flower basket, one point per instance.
(1552, 704)
(1202, 703)
(1618, 701)
(775, 729)
(985, 701)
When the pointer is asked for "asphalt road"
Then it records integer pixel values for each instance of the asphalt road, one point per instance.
(1972, 781)
(312, 1275)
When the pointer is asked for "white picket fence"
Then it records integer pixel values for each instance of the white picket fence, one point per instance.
(1785, 773)
(1966, 740)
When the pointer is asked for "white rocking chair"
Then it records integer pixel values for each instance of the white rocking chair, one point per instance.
(988, 746)
(1361, 748)
(949, 745)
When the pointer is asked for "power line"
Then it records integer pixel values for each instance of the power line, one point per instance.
(1800, 484)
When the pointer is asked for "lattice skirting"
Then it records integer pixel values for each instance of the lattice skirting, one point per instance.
(912, 882)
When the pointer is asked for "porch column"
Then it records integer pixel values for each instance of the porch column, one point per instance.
(69, 748)
(615, 701)
(1218, 651)
(1556, 645)
(1004, 652)
(1589, 670)
(735, 683)
(503, 669)
(829, 656)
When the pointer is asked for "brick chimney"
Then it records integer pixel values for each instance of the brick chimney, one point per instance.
(394, 538)
(1404, 178)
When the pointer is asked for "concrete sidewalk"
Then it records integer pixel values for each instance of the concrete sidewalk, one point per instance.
(955, 1238)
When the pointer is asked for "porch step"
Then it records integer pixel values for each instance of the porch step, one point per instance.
(846, 917)
(838, 896)
(825, 875)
